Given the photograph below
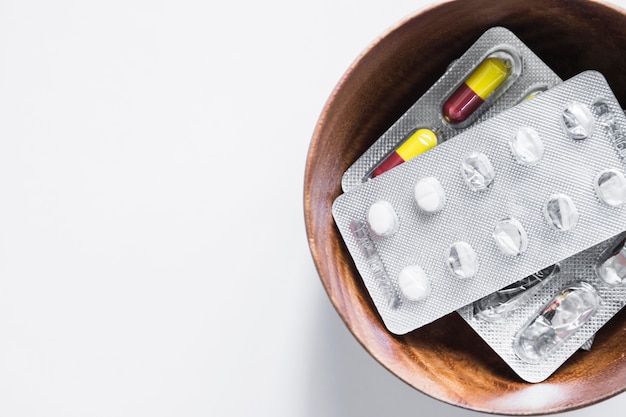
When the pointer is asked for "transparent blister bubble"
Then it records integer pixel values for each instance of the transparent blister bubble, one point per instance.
(577, 121)
(611, 265)
(477, 171)
(603, 112)
(462, 260)
(498, 305)
(561, 213)
(610, 187)
(511, 237)
(526, 146)
(567, 312)
(539, 351)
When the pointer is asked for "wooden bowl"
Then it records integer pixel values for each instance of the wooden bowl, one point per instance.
(446, 359)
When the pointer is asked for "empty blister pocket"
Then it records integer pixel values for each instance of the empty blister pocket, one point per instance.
(542, 332)
(500, 304)
(570, 309)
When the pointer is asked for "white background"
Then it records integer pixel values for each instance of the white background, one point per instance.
(153, 256)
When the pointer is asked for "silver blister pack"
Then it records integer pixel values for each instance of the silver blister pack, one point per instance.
(547, 210)
(502, 335)
(528, 75)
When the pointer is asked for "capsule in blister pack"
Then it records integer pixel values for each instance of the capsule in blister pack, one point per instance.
(475, 219)
(560, 317)
(484, 84)
(495, 73)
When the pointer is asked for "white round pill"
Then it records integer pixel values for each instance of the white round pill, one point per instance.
(429, 195)
(382, 219)
(414, 283)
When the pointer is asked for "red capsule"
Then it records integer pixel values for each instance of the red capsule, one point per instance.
(481, 83)
(415, 144)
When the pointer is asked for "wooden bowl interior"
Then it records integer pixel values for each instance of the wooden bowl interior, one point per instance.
(446, 359)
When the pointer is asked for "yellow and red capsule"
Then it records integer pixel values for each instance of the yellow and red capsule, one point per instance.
(418, 142)
(488, 77)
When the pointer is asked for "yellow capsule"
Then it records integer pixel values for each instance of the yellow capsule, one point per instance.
(482, 82)
(417, 143)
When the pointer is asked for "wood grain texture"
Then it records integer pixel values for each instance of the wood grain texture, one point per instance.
(446, 359)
